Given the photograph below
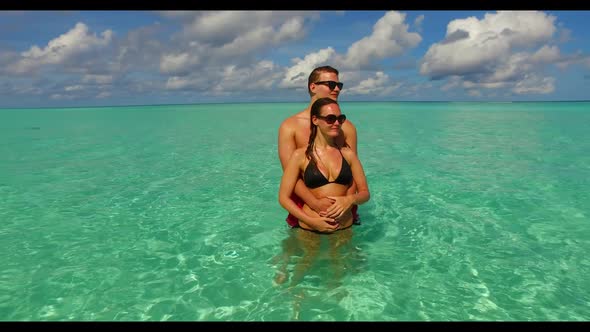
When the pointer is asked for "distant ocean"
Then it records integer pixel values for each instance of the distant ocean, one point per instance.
(478, 212)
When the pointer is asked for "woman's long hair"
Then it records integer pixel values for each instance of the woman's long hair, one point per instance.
(315, 110)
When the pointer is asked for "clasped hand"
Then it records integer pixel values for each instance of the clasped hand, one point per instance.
(340, 204)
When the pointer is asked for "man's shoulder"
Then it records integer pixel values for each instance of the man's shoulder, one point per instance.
(294, 121)
(346, 151)
(348, 126)
(349, 123)
(299, 152)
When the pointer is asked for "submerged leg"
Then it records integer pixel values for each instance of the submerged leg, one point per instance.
(310, 242)
(338, 241)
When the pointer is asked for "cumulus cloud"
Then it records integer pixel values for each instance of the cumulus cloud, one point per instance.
(73, 43)
(76, 87)
(479, 46)
(229, 79)
(535, 84)
(178, 64)
(219, 28)
(139, 49)
(502, 50)
(184, 83)
(97, 79)
(261, 76)
(7, 59)
(418, 22)
(380, 84)
(390, 38)
(212, 39)
(297, 75)
(59, 96)
(229, 35)
(546, 54)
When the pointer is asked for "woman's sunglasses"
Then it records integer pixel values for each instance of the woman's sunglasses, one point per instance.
(331, 84)
(330, 119)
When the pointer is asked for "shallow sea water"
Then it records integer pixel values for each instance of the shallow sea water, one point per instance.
(478, 211)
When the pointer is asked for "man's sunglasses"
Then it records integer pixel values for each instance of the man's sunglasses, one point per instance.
(331, 84)
(330, 119)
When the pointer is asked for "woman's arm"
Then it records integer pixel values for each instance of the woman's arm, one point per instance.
(343, 203)
(288, 181)
(287, 146)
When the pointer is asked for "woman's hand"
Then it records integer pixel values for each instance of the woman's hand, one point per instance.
(339, 207)
(325, 224)
(322, 204)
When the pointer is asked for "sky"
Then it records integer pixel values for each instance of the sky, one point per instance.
(108, 58)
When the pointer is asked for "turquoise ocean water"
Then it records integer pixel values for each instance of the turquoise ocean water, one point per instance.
(478, 211)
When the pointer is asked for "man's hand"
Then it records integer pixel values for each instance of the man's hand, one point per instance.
(341, 205)
(325, 225)
(322, 204)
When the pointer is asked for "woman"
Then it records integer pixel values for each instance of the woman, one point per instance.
(327, 169)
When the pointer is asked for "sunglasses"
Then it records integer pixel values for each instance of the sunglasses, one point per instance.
(330, 119)
(331, 84)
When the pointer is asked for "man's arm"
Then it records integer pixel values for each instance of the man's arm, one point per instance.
(350, 135)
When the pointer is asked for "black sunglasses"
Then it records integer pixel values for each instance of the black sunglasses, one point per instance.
(331, 84)
(330, 119)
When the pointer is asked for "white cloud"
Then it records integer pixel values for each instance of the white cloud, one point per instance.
(178, 64)
(61, 49)
(451, 83)
(223, 27)
(103, 94)
(99, 79)
(418, 22)
(546, 54)
(260, 76)
(496, 52)
(140, 50)
(493, 85)
(377, 85)
(58, 96)
(263, 36)
(297, 75)
(179, 83)
(230, 34)
(474, 93)
(77, 87)
(479, 46)
(390, 37)
(535, 84)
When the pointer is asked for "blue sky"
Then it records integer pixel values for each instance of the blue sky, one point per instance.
(101, 58)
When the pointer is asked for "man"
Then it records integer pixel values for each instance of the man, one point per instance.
(294, 133)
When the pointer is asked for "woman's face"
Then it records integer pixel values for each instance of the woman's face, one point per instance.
(327, 114)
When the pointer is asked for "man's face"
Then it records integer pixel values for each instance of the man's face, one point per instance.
(322, 90)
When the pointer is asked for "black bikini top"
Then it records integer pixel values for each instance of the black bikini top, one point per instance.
(313, 178)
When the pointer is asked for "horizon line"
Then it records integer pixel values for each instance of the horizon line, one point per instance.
(284, 102)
